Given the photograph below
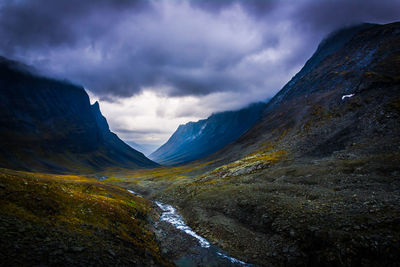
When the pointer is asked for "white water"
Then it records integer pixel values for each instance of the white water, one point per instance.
(171, 216)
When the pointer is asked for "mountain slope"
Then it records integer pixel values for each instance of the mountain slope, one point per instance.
(50, 125)
(195, 140)
(338, 98)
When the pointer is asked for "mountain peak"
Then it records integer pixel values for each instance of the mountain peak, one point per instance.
(96, 105)
(100, 119)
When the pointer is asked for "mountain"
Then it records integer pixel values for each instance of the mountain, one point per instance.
(315, 182)
(195, 140)
(47, 124)
(146, 149)
(346, 93)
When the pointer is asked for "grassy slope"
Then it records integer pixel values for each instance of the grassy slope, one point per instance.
(66, 219)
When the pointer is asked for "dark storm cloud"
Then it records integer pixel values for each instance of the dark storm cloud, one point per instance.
(178, 48)
(26, 24)
(329, 15)
(257, 7)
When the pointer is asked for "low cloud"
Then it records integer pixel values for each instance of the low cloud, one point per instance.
(191, 58)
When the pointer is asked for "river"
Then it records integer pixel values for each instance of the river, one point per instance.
(183, 245)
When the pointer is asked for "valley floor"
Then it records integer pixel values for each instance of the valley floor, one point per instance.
(331, 211)
(334, 211)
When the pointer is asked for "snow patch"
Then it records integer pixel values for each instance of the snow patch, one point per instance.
(347, 96)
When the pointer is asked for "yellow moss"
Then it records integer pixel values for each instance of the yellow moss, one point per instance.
(255, 158)
(161, 173)
(201, 183)
(72, 201)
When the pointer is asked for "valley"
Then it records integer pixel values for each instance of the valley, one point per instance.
(310, 178)
(316, 179)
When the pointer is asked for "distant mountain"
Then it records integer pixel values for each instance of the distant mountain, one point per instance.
(146, 149)
(47, 124)
(195, 140)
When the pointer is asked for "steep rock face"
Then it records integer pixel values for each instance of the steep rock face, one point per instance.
(195, 140)
(49, 125)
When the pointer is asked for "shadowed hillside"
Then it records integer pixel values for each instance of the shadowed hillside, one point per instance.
(50, 125)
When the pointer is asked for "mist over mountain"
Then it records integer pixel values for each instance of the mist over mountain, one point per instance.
(146, 149)
(50, 125)
(322, 108)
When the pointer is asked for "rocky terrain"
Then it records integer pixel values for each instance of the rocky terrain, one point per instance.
(316, 180)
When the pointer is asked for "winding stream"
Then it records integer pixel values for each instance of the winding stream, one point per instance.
(200, 253)
(171, 216)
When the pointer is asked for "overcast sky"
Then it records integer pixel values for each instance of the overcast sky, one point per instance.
(156, 64)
